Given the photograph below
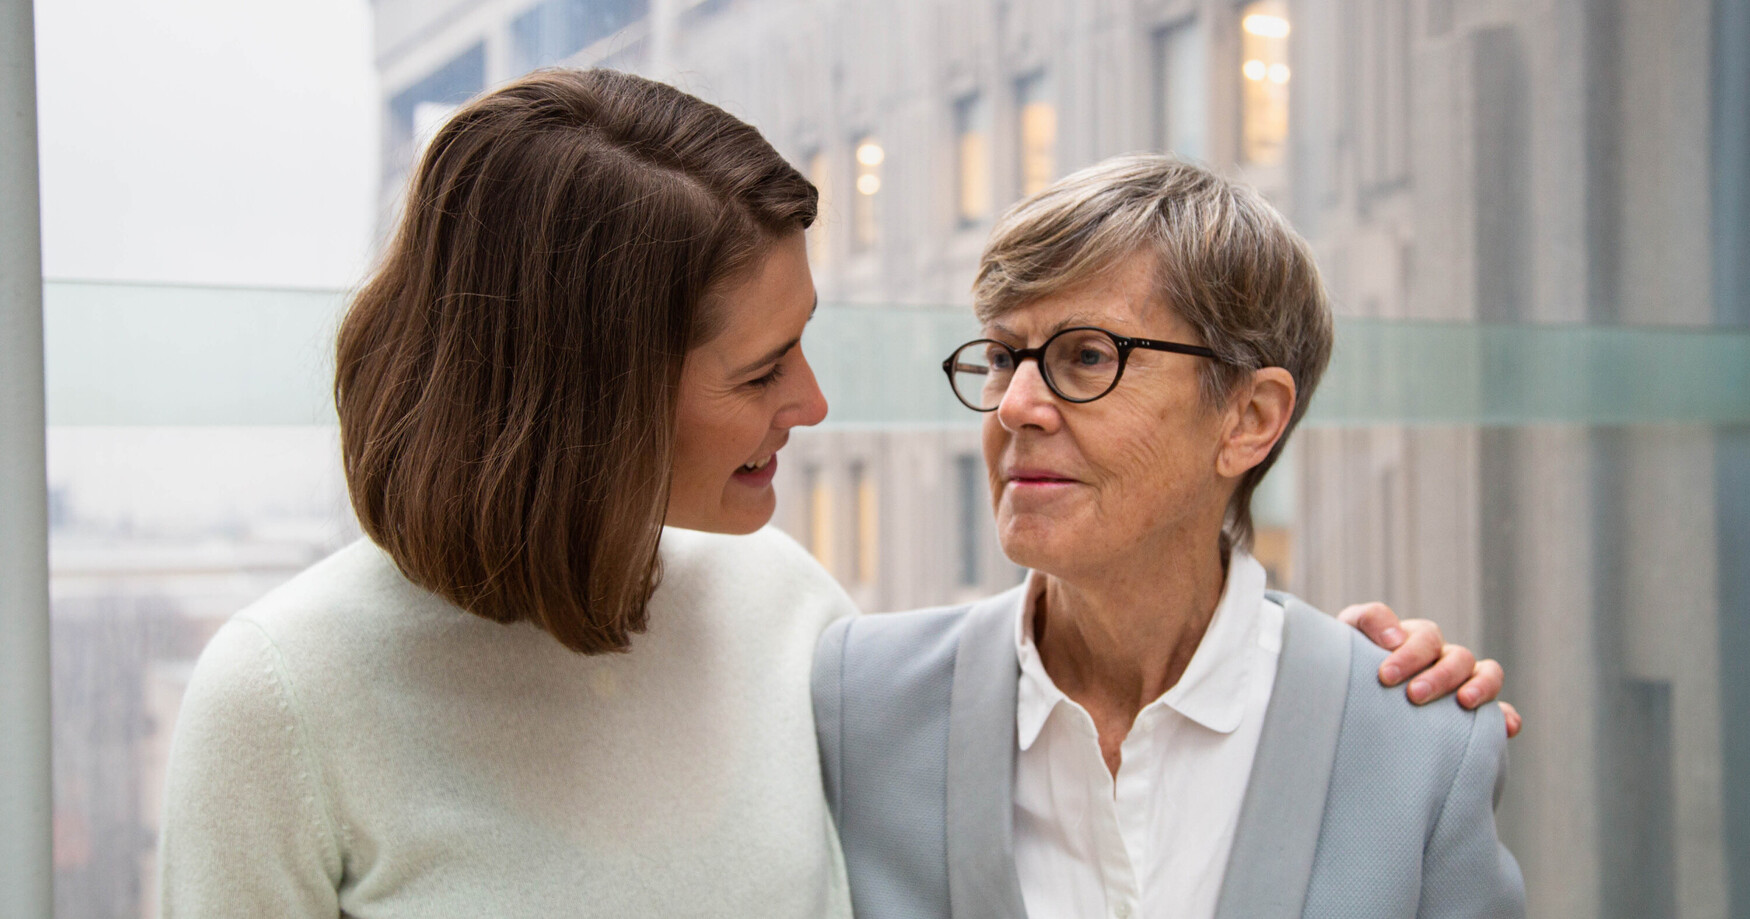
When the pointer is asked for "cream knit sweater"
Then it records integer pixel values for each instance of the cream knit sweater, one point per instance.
(353, 745)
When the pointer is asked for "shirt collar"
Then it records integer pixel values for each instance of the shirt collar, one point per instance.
(1212, 690)
(1037, 694)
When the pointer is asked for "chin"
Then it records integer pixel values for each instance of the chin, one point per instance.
(744, 519)
(743, 526)
(730, 521)
(1031, 543)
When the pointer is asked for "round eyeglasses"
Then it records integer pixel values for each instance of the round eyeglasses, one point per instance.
(1079, 365)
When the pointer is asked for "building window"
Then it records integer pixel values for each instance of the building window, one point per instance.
(1037, 123)
(427, 104)
(866, 535)
(820, 518)
(865, 223)
(972, 155)
(554, 30)
(969, 482)
(1264, 82)
(1181, 67)
(820, 173)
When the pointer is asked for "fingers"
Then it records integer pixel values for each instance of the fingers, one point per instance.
(1378, 623)
(1455, 666)
(1514, 722)
(1483, 686)
(1421, 649)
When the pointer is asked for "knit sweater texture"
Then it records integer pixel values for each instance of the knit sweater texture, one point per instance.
(354, 745)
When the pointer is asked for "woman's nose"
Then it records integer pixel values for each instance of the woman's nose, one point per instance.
(809, 409)
(1028, 402)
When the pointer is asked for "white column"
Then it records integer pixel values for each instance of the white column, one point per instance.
(26, 873)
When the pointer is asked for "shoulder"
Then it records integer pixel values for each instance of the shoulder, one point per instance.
(907, 655)
(916, 641)
(1439, 731)
(1383, 734)
(274, 662)
(878, 653)
(1443, 724)
(336, 598)
(238, 690)
(762, 573)
(931, 631)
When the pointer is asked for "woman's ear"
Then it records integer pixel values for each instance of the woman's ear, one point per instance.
(1257, 417)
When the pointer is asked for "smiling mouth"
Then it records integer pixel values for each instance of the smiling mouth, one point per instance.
(757, 465)
(1037, 477)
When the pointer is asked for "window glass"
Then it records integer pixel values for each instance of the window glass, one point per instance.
(972, 156)
(822, 528)
(1535, 428)
(868, 156)
(1181, 67)
(1036, 113)
(867, 532)
(819, 234)
(1264, 76)
(971, 491)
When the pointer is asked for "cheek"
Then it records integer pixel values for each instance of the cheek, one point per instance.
(1168, 460)
(996, 440)
(690, 457)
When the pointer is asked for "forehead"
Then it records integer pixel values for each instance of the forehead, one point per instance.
(765, 306)
(1123, 298)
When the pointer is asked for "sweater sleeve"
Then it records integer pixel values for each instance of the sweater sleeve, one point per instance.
(247, 826)
(1467, 872)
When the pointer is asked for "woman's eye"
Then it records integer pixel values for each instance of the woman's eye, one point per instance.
(768, 378)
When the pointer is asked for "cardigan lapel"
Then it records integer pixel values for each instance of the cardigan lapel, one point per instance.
(1278, 833)
(982, 883)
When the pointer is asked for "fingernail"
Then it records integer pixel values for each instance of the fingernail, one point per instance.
(1418, 690)
(1391, 673)
(1392, 637)
(1468, 697)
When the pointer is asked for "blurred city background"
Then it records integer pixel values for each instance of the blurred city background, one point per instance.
(1533, 217)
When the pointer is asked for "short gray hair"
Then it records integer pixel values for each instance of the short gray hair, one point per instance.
(1226, 262)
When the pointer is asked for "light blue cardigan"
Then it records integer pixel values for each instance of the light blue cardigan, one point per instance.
(1360, 805)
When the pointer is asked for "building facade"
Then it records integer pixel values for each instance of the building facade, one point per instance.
(1568, 162)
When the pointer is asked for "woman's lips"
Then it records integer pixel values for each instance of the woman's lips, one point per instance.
(757, 478)
(1037, 478)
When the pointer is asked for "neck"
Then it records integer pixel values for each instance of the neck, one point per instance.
(1118, 642)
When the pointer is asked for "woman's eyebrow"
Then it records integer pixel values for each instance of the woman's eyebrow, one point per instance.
(779, 351)
(768, 357)
(1067, 322)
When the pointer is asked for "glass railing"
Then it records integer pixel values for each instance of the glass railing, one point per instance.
(193, 356)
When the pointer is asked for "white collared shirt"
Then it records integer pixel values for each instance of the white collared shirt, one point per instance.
(1155, 842)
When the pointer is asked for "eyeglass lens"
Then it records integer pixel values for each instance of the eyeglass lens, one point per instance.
(1079, 364)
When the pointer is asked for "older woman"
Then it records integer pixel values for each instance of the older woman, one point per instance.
(530, 692)
(1142, 729)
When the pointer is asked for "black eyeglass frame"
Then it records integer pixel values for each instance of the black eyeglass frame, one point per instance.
(1124, 344)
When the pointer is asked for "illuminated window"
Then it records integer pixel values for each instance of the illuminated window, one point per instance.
(820, 173)
(865, 225)
(1038, 126)
(1264, 78)
(972, 149)
(820, 518)
(1181, 90)
(867, 533)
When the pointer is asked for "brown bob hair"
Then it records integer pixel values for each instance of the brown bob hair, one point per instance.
(1225, 261)
(507, 379)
